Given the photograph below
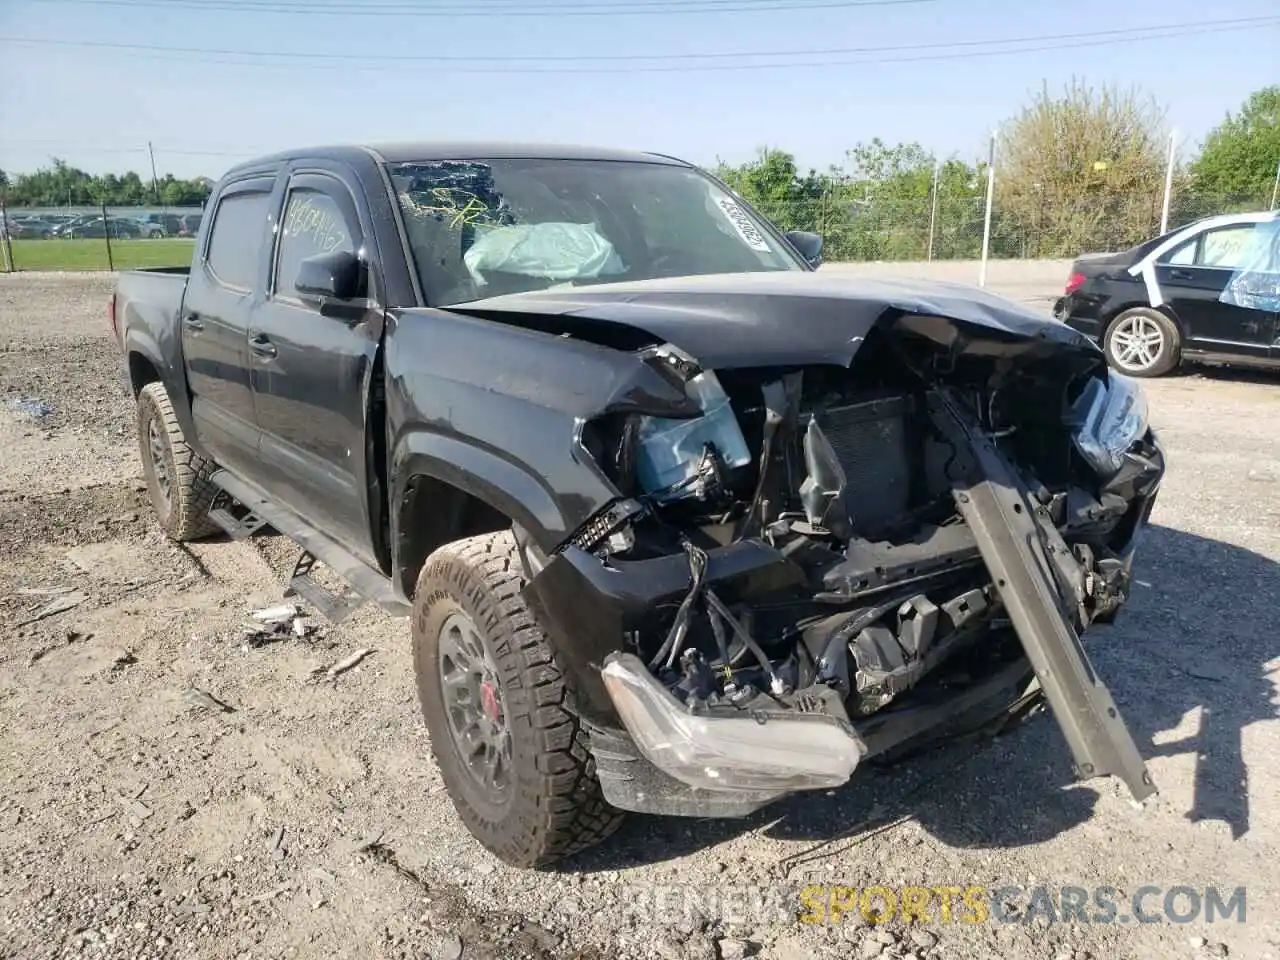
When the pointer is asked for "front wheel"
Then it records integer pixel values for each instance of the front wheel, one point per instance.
(1142, 343)
(178, 478)
(498, 707)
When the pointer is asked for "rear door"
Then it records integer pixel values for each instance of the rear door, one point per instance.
(313, 365)
(1193, 276)
(225, 284)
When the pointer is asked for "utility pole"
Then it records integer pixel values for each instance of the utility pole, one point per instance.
(933, 204)
(155, 185)
(986, 226)
(1276, 188)
(1168, 181)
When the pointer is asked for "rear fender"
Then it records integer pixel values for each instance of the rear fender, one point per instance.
(141, 342)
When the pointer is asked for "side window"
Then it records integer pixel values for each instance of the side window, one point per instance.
(1183, 255)
(1225, 246)
(235, 241)
(313, 223)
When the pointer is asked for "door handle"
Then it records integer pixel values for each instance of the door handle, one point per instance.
(193, 322)
(261, 344)
(1182, 275)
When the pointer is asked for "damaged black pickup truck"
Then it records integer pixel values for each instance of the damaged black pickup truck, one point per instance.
(682, 525)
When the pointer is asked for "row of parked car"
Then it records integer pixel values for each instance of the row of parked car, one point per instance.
(91, 225)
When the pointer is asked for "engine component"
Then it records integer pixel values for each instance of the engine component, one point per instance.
(870, 442)
(822, 491)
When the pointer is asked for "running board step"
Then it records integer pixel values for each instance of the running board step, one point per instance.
(334, 607)
(364, 580)
(237, 528)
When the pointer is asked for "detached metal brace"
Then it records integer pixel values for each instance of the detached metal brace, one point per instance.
(1016, 539)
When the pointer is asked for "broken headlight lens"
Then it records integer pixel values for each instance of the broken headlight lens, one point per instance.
(736, 753)
(1108, 420)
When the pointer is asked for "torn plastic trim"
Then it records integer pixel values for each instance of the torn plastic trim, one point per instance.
(1027, 558)
(746, 752)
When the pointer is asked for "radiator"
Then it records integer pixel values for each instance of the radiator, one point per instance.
(873, 443)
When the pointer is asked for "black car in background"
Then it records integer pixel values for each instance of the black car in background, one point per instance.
(157, 225)
(121, 228)
(1208, 291)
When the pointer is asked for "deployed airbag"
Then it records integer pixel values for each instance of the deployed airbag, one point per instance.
(556, 251)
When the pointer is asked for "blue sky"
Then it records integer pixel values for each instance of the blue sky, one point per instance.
(97, 106)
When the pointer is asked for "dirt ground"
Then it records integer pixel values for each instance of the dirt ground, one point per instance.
(305, 819)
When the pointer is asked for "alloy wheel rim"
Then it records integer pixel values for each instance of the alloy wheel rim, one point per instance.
(1137, 343)
(474, 704)
(159, 461)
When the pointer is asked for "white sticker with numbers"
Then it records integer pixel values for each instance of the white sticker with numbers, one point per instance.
(747, 230)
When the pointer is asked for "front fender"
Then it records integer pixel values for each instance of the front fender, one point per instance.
(485, 474)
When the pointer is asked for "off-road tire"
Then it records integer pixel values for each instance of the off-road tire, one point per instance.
(184, 513)
(554, 806)
(1171, 351)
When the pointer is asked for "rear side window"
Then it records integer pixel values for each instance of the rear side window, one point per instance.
(1220, 247)
(235, 241)
(1224, 247)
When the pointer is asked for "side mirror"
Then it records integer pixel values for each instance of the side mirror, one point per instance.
(334, 276)
(808, 245)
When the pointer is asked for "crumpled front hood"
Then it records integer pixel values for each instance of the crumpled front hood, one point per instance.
(765, 319)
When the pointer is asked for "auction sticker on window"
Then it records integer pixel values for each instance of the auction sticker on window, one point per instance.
(751, 236)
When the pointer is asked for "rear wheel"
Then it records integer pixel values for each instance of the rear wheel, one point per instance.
(178, 478)
(510, 748)
(1143, 343)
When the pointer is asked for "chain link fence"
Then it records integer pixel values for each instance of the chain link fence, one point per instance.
(97, 238)
(857, 223)
(949, 226)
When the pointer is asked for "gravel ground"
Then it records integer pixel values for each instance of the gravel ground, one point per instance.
(140, 819)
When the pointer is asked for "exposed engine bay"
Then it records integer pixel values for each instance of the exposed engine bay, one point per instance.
(879, 597)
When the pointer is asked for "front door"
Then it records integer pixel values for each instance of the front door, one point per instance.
(313, 368)
(1192, 278)
(223, 287)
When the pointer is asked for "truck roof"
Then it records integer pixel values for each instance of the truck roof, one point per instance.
(409, 151)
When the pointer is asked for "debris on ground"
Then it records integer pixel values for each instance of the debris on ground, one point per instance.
(137, 811)
(43, 591)
(276, 623)
(54, 607)
(368, 841)
(73, 636)
(30, 408)
(342, 666)
(281, 614)
(278, 852)
(203, 698)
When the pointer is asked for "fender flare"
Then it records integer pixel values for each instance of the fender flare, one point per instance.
(482, 473)
(174, 380)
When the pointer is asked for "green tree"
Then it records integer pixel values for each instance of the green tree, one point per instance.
(773, 185)
(887, 194)
(1080, 171)
(1239, 157)
(62, 184)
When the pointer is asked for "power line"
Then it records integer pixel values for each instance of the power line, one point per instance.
(893, 54)
(596, 9)
(1126, 33)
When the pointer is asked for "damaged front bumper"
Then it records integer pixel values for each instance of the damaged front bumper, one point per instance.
(653, 755)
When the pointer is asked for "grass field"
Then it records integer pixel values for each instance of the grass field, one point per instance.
(92, 254)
